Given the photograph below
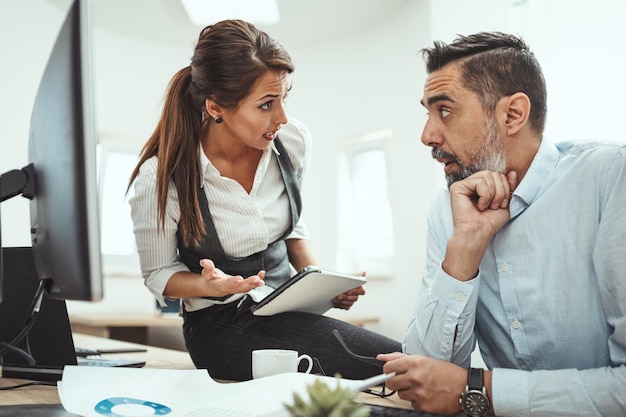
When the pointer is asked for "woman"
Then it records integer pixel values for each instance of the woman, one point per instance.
(217, 199)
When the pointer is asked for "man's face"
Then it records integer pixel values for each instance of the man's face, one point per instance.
(464, 137)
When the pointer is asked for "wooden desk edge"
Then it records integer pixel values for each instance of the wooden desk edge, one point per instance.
(158, 320)
(125, 320)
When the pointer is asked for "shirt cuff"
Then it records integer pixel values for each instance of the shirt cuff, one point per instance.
(509, 392)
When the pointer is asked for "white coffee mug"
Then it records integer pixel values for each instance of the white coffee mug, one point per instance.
(266, 362)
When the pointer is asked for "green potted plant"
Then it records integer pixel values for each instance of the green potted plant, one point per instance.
(324, 401)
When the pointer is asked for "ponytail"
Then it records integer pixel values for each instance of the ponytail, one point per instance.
(175, 143)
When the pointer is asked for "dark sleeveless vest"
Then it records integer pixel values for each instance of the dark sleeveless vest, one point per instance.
(273, 260)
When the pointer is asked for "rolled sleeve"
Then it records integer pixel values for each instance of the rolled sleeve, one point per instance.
(443, 310)
(157, 280)
(300, 231)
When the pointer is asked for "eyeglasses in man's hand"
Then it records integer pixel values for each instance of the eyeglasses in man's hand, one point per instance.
(366, 359)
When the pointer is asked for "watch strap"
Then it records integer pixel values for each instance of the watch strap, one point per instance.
(475, 379)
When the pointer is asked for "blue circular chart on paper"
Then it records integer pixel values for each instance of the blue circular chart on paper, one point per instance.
(130, 407)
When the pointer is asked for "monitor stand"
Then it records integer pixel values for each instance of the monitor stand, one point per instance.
(50, 338)
(13, 183)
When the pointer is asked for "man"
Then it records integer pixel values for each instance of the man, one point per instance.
(525, 253)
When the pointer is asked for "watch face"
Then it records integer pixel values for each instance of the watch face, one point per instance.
(475, 403)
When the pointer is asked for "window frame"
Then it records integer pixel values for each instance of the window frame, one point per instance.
(116, 264)
(348, 257)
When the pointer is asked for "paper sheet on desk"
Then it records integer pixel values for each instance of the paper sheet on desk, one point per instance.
(133, 392)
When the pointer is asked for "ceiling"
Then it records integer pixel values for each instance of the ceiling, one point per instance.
(303, 22)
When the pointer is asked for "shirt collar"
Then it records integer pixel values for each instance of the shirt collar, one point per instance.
(273, 147)
(208, 170)
(540, 168)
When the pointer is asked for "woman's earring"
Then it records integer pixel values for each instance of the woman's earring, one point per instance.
(218, 120)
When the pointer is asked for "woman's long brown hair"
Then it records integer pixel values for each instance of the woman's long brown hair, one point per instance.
(228, 59)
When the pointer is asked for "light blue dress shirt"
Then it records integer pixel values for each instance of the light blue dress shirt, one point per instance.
(548, 307)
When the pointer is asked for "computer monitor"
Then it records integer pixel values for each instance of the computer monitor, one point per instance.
(61, 177)
(64, 260)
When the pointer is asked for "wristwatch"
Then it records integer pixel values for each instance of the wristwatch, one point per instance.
(474, 400)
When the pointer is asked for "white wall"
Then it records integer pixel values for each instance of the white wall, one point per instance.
(579, 44)
(363, 83)
(342, 88)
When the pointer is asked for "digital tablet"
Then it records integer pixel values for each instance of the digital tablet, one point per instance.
(311, 290)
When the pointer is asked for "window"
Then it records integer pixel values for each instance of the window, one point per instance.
(365, 229)
(116, 161)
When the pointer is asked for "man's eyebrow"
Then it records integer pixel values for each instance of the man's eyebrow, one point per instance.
(439, 97)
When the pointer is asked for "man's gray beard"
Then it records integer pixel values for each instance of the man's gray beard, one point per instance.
(489, 156)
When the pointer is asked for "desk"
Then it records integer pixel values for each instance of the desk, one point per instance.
(41, 394)
(135, 327)
(154, 358)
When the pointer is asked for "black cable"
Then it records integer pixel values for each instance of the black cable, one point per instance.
(27, 384)
(24, 353)
(29, 322)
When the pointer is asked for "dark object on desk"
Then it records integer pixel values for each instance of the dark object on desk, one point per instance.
(381, 411)
(123, 363)
(84, 352)
(50, 338)
(35, 410)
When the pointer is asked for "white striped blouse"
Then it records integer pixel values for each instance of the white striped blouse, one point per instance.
(245, 223)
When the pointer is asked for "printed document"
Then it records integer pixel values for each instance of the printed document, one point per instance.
(135, 392)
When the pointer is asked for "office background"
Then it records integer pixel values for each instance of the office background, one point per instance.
(352, 79)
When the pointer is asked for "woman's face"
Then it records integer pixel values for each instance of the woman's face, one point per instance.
(257, 119)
